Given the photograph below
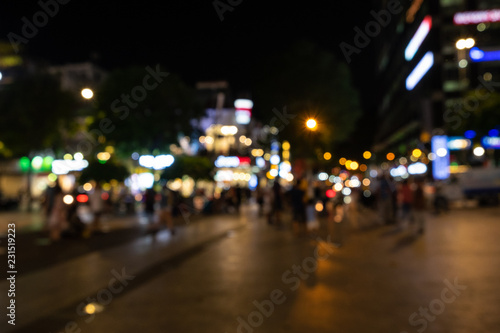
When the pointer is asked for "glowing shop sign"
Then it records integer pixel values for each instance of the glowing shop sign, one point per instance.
(418, 168)
(156, 162)
(458, 143)
(491, 142)
(441, 163)
(63, 167)
(475, 17)
(418, 38)
(420, 70)
(243, 111)
(231, 161)
(478, 55)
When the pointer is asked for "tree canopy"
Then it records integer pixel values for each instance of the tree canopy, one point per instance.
(103, 172)
(194, 166)
(144, 109)
(33, 110)
(309, 83)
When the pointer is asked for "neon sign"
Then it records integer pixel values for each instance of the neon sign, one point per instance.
(478, 55)
(441, 164)
(243, 111)
(418, 38)
(475, 17)
(491, 142)
(420, 70)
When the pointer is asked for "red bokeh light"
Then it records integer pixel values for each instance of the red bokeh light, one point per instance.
(82, 198)
(330, 193)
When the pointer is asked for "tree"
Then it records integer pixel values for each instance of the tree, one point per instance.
(479, 114)
(194, 166)
(33, 110)
(309, 82)
(100, 172)
(144, 111)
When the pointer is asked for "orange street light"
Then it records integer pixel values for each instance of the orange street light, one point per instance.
(311, 124)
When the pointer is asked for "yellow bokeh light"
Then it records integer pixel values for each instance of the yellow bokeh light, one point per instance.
(68, 199)
(367, 155)
(311, 124)
(342, 161)
(109, 149)
(103, 156)
(285, 145)
(327, 156)
(354, 165)
(87, 93)
(417, 153)
(90, 308)
(68, 157)
(87, 187)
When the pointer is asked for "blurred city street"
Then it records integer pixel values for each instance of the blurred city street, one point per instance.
(236, 273)
(247, 166)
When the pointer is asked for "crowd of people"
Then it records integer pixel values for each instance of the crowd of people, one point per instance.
(401, 203)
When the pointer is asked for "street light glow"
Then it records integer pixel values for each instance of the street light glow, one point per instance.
(87, 93)
(465, 43)
(311, 124)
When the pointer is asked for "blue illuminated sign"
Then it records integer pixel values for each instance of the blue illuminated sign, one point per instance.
(491, 142)
(441, 162)
(478, 55)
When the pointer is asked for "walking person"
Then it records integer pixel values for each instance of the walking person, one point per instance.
(149, 206)
(297, 196)
(166, 208)
(267, 204)
(419, 206)
(405, 201)
(385, 193)
(277, 202)
(57, 217)
(96, 203)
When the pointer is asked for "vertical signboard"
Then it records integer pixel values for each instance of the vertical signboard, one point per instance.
(441, 163)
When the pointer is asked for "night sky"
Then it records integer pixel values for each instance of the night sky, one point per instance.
(189, 38)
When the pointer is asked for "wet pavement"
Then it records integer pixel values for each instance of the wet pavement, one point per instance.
(231, 273)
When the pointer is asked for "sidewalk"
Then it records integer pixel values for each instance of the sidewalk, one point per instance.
(52, 290)
(209, 276)
(29, 222)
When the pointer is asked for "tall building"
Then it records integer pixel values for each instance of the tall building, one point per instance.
(436, 61)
